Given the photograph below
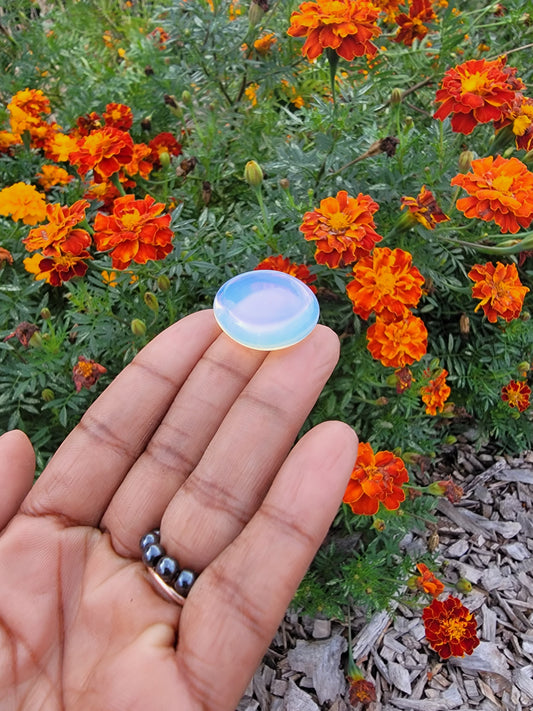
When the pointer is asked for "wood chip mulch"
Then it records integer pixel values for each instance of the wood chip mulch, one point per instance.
(486, 538)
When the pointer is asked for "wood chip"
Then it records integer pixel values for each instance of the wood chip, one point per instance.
(321, 661)
(399, 677)
(298, 700)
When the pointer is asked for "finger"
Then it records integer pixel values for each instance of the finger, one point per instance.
(238, 466)
(233, 611)
(91, 463)
(17, 468)
(179, 442)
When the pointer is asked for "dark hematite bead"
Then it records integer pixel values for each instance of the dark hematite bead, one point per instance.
(184, 582)
(152, 554)
(149, 538)
(167, 568)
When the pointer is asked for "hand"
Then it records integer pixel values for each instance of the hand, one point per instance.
(194, 435)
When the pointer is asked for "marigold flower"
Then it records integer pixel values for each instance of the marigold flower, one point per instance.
(362, 691)
(164, 142)
(104, 152)
(87, 124)
(59, 146)
(427, 581)
(59, 235)
(264, 44)
(56, 269)
(23, 333)
(436, 392)
(520, 118)
(500, 189)
(450, 628)
(51, 175)
(376, 478)
(86, 372)
(499, 289)
(141, 162)
(385, 282)
(23, 202)
(343, 228)
(118, 116)
(5, 257)
(160, 37)
(397, 343)
(516, 394)
(390, 8)
(346, 26)
(447, 488)
(424, 209)
(412, 26)
(7, 140)
(404, 379)
(283, 264)
(109, 278)
(478, 91)
(135, 231)
(26, 110)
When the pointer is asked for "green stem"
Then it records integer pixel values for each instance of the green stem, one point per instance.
(521, 246)
(116, 182)
(333, 59)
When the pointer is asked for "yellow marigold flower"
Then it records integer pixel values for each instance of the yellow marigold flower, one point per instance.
(59, 146)
(8, 139)
(51, 175)
(499, 289)
(23, 202)
(385, 282)
(436, 392)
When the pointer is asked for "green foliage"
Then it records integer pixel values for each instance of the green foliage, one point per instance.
(227, 103)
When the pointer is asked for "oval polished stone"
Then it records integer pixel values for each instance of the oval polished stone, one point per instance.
(266, 310)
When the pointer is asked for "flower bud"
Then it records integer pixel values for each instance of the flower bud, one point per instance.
(138, 327)
(253, 174)
(163, 282)
(186, 97)
(255, 14)
(464, 324)
(45, 313)
(463, 585)
(47, 395)
(379, 524)
(450, 439)
(164, 159)
(396, 96)
(284, 183)
(465, 161)
(36, 340)
(151, 301)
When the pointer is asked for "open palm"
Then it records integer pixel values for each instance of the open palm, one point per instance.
(194, 435)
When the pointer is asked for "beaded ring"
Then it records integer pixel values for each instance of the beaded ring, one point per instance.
(172, 582)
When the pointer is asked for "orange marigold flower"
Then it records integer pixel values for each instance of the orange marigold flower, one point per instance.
(478, 91)
(23, 202)
(264, 44)
(390, 8)
(343, 228)
(376, 478)
(427, 581)
(5, 257)
(164, 142)
(283, 264)
(51, 175)
(397, 343)
(31, 102)
(7, 140)
(499, 289)
(56, 269)
(59, 146)
(424, 209)
(60, 235)
(436, 392)
(104, 152)
(86, 372)
(500, 189)
(385, 282)
(118, 116)
(516, 394)
(141, 162)
(135, 231)
(412, 26)
(160, 37)
(450, 628)
(346, 26)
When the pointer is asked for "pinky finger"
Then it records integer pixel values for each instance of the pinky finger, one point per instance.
(17, 468)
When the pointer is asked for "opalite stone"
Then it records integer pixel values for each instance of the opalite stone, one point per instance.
(266, 310)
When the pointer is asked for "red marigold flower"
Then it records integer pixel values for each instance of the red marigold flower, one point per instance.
(135, 231)
(104, 151)
(478, 91)
(412, 26)
(385, 282)
(362, 691)
(516, 394)
(160, 37)
(343, 228)
(500, 290)
(447, 488)
(23, 202)
(427, 581)
(520, 118)
(164, 142)
(404, 379)
(23, 333)
(376, 478)
(118, 116)
(5, 257)
(450, 628)
(60, 235)
(424, 209)
(500, 189)
(346, 26)
(86, 372)
(58, 268)
(397, 343)
(436, 392)
(87, 124)
(281, 264)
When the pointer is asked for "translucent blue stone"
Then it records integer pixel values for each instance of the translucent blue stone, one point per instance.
(266, 310)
